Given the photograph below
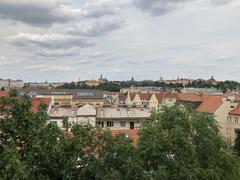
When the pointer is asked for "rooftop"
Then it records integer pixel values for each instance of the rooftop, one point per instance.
(192, 97)
(37, 101)
(210, 103)
(235, 111)
(122, 113)
(77, 93)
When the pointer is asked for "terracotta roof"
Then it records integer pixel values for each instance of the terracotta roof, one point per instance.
(235, 111)
(145, 96)
(132, 96)
(160, 96)
(209, 103)
(37, 101)
(237, 97)
(189, 97)
(122, 97)
(133, 134)
(171, 95)
(3, 93)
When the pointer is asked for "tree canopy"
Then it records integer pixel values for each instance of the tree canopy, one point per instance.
(175, 144)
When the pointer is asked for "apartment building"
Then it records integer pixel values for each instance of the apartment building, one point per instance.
(220, 107)
(67, 97)
(11, 84)
(162, 99)
(105, 117)
(233, 123)
(121, 118)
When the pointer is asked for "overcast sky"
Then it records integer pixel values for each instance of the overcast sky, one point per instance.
(64, 40)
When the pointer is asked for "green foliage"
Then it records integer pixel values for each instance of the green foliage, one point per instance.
(237, 142)
(228, 85)
(183, 144)
(107, 86)
(176, 144)
(223, 85)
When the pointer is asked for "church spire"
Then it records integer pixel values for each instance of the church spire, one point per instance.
(101, 77)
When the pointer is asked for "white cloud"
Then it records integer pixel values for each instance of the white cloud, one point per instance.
(97, 27)
(49, 37)
(51, 41)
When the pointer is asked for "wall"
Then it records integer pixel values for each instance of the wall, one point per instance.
(221, 115)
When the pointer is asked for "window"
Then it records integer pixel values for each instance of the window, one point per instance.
(123, 124)
(236, 119)
(101, 124)
(53, 122)
(232, 106)
(110, 124)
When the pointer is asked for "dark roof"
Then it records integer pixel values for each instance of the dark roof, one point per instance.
(77, 93)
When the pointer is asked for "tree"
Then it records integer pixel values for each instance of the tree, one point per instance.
(237, 142)
(182, 144)
(175, 144)
(30, 148)
(118, 159)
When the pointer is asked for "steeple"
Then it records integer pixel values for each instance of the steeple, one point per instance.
(212, 78)
(132, 79)
(101, 77)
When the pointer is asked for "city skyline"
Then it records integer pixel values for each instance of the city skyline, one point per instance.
(121, 39)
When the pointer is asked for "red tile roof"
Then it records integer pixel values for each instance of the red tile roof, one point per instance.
(209, 103)
(235, 111)
(160, 96)
(171, 95)
(189, 97)
(145, 96)
(37, 101)
(3, 93)
(133, 134)
(122, 97)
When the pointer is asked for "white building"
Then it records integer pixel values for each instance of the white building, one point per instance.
(11, 84)
(87, 114)
(121, 118)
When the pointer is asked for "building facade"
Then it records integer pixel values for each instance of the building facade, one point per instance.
(11, 84)
(68, 97)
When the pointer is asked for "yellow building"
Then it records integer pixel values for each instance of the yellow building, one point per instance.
(222, 110)
(68, 97)
(92, 83)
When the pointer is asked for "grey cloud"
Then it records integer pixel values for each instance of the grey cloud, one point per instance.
(51, 41)
(158, 7)
(38, 13)
(96, 27)
(100, 8)
(161, 7)
(221, 2)
(48, 12)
